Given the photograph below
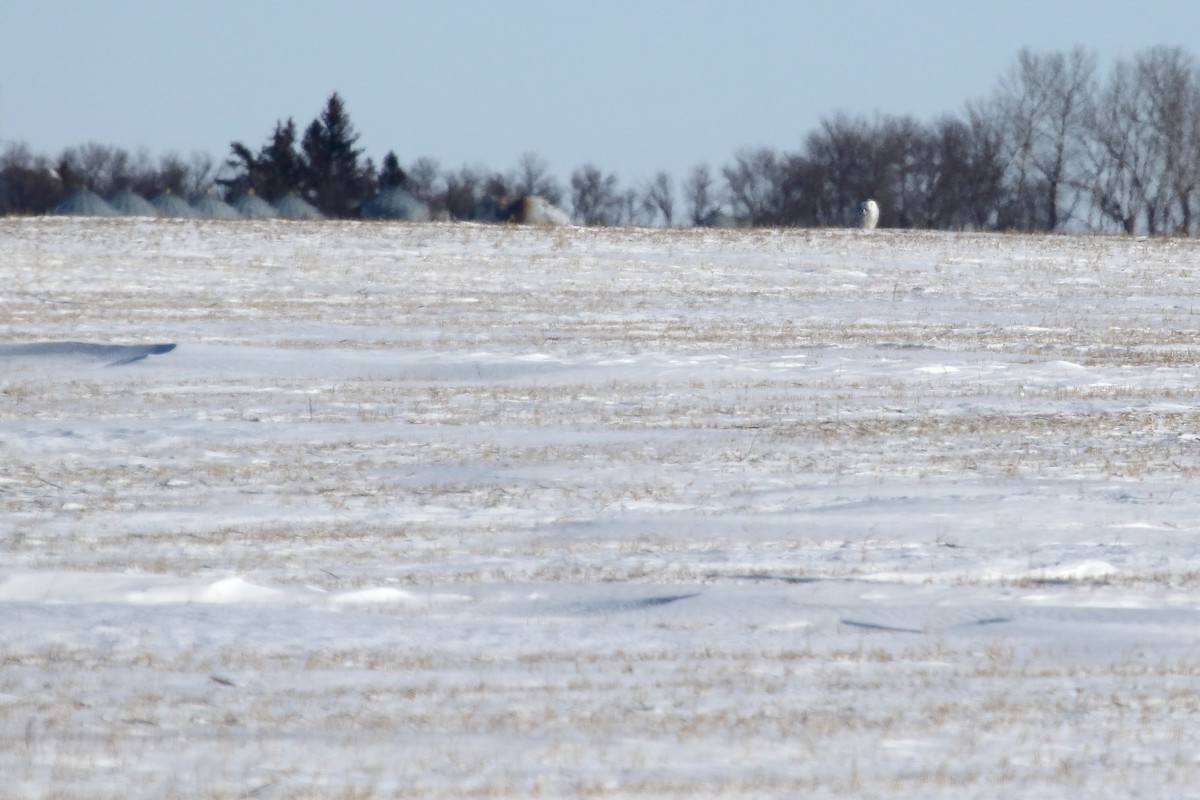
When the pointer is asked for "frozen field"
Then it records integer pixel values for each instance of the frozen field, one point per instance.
(454, 511)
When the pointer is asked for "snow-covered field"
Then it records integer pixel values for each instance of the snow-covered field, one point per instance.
(460, 511)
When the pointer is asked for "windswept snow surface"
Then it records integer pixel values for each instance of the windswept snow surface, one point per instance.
(483, 511)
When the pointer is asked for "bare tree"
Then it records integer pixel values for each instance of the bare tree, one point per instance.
(967, 171)
(594, 196)
(533, 177)
(659, 198)
(171, 175)
(1143, 156)
(905, 156)
(1116, 152)
(698, 192)
(634, 210)
(1044, 101)
(755, 186)
(201, 174)
(464, 191)
(985, 165)
(1168, 84)
(28, 184)
(424, 179)
(842, 158)
(95, 166)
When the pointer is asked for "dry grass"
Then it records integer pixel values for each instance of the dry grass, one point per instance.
(597, 408)
(791, 716)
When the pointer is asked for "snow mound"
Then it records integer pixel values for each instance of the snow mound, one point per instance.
(535, 210)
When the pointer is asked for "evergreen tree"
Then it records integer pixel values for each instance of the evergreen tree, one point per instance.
(335, 181)
(275, 172)
(282, 167)
(392, 176)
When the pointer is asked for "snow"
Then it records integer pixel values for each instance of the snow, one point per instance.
(437, 510)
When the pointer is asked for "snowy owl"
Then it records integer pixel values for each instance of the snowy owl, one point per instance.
(868, 215)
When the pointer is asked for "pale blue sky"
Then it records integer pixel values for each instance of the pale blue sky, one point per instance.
(632, 86)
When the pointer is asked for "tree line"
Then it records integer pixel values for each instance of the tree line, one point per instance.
(1056, 145)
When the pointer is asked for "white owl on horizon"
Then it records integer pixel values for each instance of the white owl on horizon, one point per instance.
(868, 215)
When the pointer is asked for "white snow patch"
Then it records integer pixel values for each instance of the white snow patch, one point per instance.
(1081, 570)
(604, 512)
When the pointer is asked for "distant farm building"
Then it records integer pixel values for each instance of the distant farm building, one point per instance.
(209, 206)
(84, 203)
(251, 206)
(395, 204)
(131, 204)
(170, 204)
(296, 207)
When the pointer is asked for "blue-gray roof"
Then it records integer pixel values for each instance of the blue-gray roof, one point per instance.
(251, 206)
(84, 203)
(172, 205)
(395, 204)
(212, 207)
(132, 204)
(294, 207)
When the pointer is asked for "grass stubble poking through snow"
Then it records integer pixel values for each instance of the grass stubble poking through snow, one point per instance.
(455, 511)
